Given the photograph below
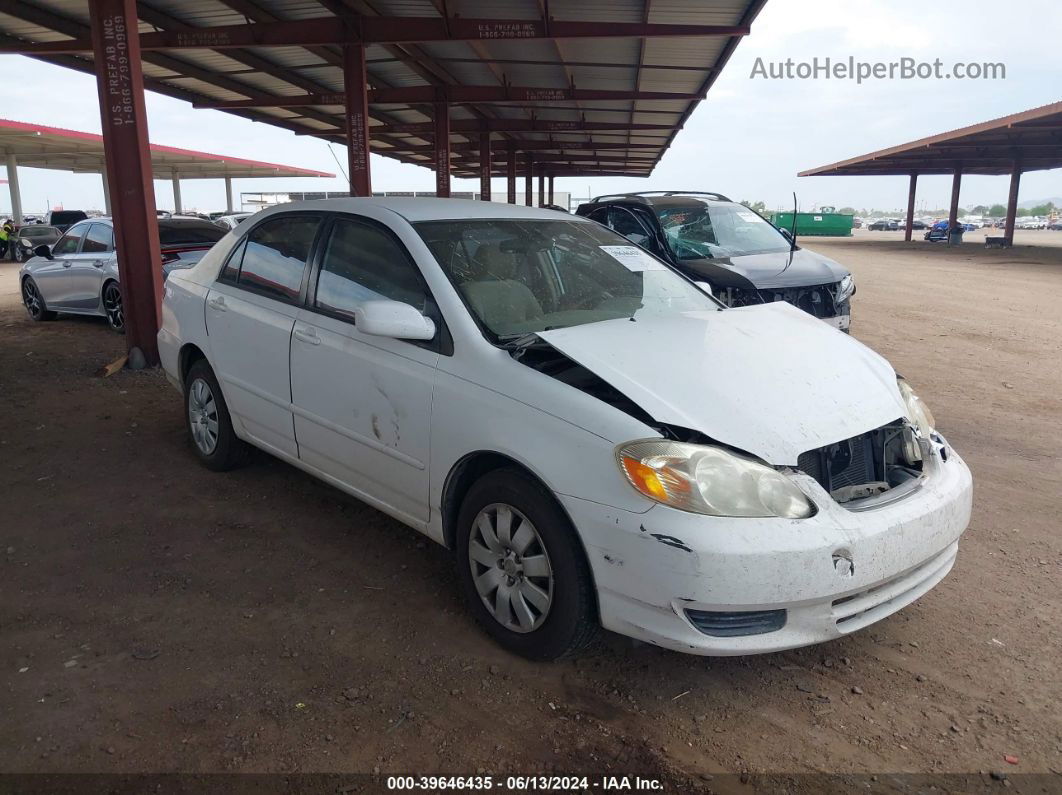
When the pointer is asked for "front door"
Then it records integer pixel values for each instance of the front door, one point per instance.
(250, 313)
(362, 403)
(85, 274)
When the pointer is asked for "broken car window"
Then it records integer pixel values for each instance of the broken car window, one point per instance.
(707, 231)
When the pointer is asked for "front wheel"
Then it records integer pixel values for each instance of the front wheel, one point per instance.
(112, 306)
(522, 568)
(18, 254)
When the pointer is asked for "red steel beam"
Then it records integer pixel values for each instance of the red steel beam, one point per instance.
(357, 120)
(528, 146)
(564, 157)
(909, 224)
(510, 175)
(541, 186)
(484, 166)
(456, 94)
(442, 150)
(953, 211)
(1012, 202)
(528, 167)
(504, 125)
(385, 30)
(550, 189)
(120, 82)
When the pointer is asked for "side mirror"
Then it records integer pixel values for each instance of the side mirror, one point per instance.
(393, 319)
(43, 250)
(786, 233)
(705, 287)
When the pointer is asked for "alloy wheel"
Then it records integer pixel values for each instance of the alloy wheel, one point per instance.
(203, 416)
(112, 305)
(510, 567)
(32, 299)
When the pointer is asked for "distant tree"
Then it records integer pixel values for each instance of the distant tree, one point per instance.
(997, 210)
(979, 209)
(847, 211)
(758, 207)
(1042, 209)
(1024, 211)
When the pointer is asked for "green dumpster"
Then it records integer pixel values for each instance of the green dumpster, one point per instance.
(816, 224)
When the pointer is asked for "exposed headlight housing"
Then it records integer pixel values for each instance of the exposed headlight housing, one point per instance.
(846, 289)
(917, 411)
(710, 480)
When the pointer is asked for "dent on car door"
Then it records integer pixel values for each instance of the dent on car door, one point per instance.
(250, 313)
(52, 277)
(362, 403)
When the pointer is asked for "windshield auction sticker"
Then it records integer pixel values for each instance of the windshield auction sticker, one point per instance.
(633, 258)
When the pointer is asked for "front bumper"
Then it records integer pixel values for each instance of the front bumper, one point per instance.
(834, 573)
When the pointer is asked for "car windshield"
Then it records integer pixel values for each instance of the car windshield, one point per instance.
(702, 230)
(521, 276)
(38, 231)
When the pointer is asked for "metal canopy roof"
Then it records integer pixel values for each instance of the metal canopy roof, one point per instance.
(37, 146)
(606, 82)
(1032, 138)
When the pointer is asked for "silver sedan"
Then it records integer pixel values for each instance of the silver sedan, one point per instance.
(79, 274)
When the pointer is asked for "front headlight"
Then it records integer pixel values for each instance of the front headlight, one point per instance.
(710, 480)
(846, 289)
(917, 411)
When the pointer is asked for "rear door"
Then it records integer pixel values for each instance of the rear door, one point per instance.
(52, 278)
(85, 274)
(250, 312)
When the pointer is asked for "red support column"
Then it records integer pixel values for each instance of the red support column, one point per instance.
(541, 186)
(953, 212)
(442, 150)
(1012, 202)
(484, 166)
(910, 208)
(120, 82)
(357, 112)
(511, 176)
(528, 167)
(550, 189)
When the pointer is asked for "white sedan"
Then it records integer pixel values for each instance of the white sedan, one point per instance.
(598, 440)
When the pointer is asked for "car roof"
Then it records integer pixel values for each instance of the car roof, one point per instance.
(662, 198)
(414, 210)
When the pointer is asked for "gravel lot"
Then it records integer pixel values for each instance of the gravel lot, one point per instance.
(159, 617)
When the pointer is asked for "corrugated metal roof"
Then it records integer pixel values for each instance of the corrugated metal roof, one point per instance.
(681, 65)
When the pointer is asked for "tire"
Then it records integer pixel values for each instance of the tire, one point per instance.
(540, 538)
(34, 302)
(209, 425)
(17, 256)
(111, 300)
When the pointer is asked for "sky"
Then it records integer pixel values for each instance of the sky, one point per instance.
(748, 139)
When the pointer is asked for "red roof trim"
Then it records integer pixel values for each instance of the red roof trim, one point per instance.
(77, 135)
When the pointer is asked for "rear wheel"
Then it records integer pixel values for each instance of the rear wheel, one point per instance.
(112, 306)
(17, 255)
(209, 424)
(522, 568)
(35, 305)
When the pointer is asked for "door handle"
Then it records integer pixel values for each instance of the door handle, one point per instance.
(217, 303)
(308, 336)
(97, 263)
(67, 264)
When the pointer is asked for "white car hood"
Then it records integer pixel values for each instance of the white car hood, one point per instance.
(770, 380)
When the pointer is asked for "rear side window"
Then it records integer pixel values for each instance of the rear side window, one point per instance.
(68, 243)
(275, 256)
(99, 240)
(67, 216)
(363, 263)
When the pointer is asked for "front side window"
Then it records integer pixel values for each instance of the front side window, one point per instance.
(69, 242)
(624, 222)
(99, 240)
(276, 254)
(521, 276)
(363, 263)
(711, 230)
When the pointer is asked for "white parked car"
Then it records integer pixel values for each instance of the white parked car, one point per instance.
(599, 441)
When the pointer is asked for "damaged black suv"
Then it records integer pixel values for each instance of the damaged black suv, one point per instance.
(745, 258)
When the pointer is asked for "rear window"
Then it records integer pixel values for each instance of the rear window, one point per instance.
(188, 234)
(67, 216)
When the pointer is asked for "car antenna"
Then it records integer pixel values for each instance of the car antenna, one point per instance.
(792, 231)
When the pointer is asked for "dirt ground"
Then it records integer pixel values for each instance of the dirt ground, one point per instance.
(158, 617)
